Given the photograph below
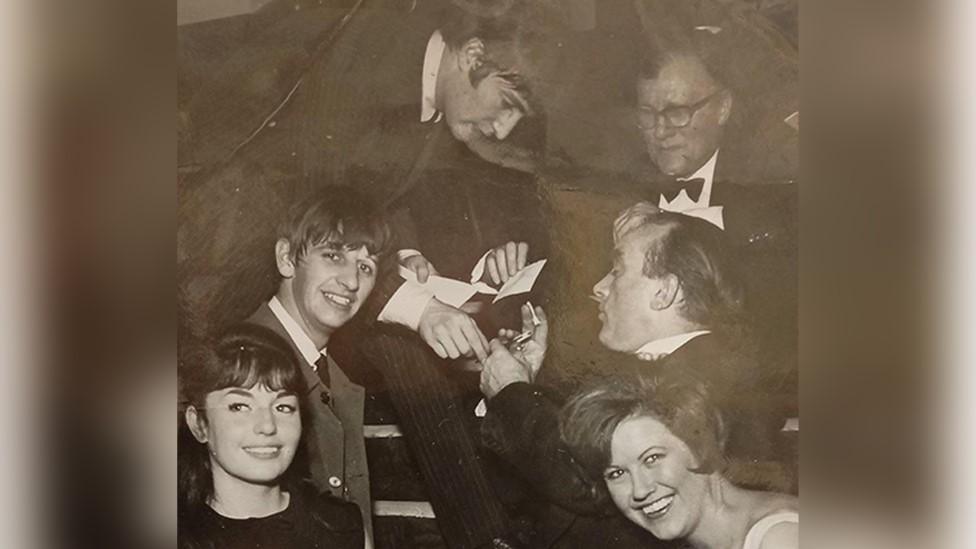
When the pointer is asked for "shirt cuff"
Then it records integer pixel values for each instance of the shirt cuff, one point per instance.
(407, 305)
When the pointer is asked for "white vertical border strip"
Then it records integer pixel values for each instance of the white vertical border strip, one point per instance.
(957, 270)
(19, 239)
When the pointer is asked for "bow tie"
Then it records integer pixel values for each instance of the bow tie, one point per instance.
(693, 187)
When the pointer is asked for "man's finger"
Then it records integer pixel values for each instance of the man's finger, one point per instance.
(502, 264)
(475, 340)
(445, 339)
(493, 269)
(542, 330)
(439, 349)
(523, 254)
(511, 258)
(496, 347)
(422, 272)
(461, 342)
(527, 318)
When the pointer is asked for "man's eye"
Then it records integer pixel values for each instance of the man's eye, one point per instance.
(238, 407)
(613, 474)
(286, 408)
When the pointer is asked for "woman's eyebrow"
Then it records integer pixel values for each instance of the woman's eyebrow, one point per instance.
(239, 392)
(643, 454)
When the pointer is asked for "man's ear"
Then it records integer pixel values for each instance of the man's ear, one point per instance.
(666, 293)
(196, 424)
(725, 107)
(471, 54)
(286, 266)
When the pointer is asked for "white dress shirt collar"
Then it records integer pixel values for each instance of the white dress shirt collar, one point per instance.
(665, 346)
(707, 173)
(432, 64)
(305, 345)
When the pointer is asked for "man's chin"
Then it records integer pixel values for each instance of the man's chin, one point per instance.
(670, 164)
(607, 341)
(462, 132)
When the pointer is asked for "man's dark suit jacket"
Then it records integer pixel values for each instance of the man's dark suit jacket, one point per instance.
(354, 118)
(334, 446)
(522, 426)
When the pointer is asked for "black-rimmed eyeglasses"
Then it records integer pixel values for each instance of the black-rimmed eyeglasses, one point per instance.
(678, 116)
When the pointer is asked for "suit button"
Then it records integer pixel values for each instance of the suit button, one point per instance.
(325, 398)
(335, 482)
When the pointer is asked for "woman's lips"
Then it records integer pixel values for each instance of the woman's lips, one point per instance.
(263, 452)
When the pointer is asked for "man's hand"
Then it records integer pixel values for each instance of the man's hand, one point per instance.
(631, 217)
(530, 353)
(420, 267)
(504, 261)
(501, 369)
(451, 333)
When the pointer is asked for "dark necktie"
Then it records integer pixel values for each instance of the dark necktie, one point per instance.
(322, 368)
(693, 187)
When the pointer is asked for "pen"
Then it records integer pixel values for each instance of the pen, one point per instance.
(535, 320)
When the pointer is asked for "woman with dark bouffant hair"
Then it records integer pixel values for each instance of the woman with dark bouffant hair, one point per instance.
(240, 431)
(657, 444)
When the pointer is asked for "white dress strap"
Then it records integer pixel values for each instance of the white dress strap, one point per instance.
(758, 531)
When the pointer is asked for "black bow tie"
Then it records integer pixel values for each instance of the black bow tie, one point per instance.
(693, 187)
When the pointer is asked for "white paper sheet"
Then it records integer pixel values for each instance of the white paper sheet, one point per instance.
(456, 293)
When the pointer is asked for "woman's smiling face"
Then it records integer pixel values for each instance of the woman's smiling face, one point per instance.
(651, 481)
(252, 434)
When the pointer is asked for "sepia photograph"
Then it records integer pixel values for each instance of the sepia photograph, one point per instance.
(488, 274)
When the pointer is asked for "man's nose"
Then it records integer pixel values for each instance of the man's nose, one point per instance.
(506, 122)
(349, 277)
(643, 484)
(600, 288)
(663, 128)
(264, 423)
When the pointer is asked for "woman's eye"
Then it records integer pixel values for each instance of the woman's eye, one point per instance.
(613, 474)
(366, 268)
(286, 408)
(653, 458)
(332, 256)
(238, 407)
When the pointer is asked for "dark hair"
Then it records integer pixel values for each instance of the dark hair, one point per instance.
(518, 37)
(678, 401)
(244, 355)
(339, 215)
(698, 254)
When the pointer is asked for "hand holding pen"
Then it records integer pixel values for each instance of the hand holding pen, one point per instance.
(529, 345)
(514, 356)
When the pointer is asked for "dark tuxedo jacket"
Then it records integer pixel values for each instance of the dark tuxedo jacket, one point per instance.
(760, 223)
(522, 427)
(334, 445)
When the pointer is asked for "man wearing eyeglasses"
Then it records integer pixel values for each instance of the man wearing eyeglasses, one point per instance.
(684, 113)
